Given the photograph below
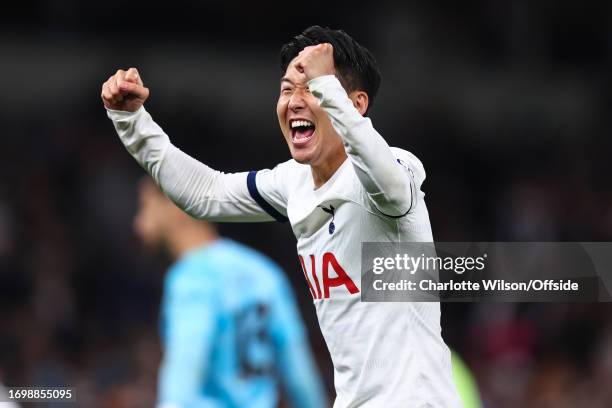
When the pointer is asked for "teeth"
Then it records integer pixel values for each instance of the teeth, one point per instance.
(298, 123)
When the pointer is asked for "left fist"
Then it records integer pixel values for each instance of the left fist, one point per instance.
(315, 61)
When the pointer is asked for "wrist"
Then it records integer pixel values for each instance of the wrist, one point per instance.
(119, 115)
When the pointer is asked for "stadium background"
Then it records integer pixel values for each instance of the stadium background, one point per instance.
(506, 103)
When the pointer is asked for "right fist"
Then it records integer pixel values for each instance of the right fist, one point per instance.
(124, 91)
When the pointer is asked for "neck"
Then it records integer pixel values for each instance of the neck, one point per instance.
(187, 238)
(324, 171)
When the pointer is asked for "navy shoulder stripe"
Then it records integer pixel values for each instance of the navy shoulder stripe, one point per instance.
(252, 186)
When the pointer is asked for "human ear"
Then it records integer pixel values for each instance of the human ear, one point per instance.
(360, 101)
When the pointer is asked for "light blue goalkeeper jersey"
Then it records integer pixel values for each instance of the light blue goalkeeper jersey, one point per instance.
(232, 334)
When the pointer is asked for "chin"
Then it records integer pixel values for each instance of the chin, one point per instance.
(302, 157)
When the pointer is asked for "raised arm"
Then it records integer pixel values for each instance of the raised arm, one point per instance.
(193, 186)
(387, 180)
(388, 185)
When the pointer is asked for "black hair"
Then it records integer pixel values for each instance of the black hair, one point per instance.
(355, 65)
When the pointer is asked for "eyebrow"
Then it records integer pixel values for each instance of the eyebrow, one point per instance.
(285, 79)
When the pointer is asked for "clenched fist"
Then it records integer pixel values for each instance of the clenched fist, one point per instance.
(315, 61)
(124, 91)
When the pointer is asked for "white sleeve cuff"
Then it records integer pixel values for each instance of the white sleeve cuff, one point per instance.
(120, 116)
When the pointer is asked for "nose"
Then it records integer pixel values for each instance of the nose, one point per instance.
(296, 102)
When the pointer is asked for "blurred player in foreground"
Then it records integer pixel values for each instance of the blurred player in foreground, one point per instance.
(343, 186)
(231, 332)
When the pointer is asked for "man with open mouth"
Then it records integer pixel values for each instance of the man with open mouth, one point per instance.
(343, 186)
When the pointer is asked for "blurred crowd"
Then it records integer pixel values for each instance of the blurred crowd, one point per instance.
(507, 105)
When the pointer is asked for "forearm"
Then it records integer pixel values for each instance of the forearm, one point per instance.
(193, 186)
(204, 192)
(391, 189)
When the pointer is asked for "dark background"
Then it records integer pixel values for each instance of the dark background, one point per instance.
(507, 104)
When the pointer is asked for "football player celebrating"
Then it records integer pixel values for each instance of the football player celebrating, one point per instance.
(343, 186)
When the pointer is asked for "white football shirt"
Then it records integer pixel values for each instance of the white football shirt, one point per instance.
(384, 354)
